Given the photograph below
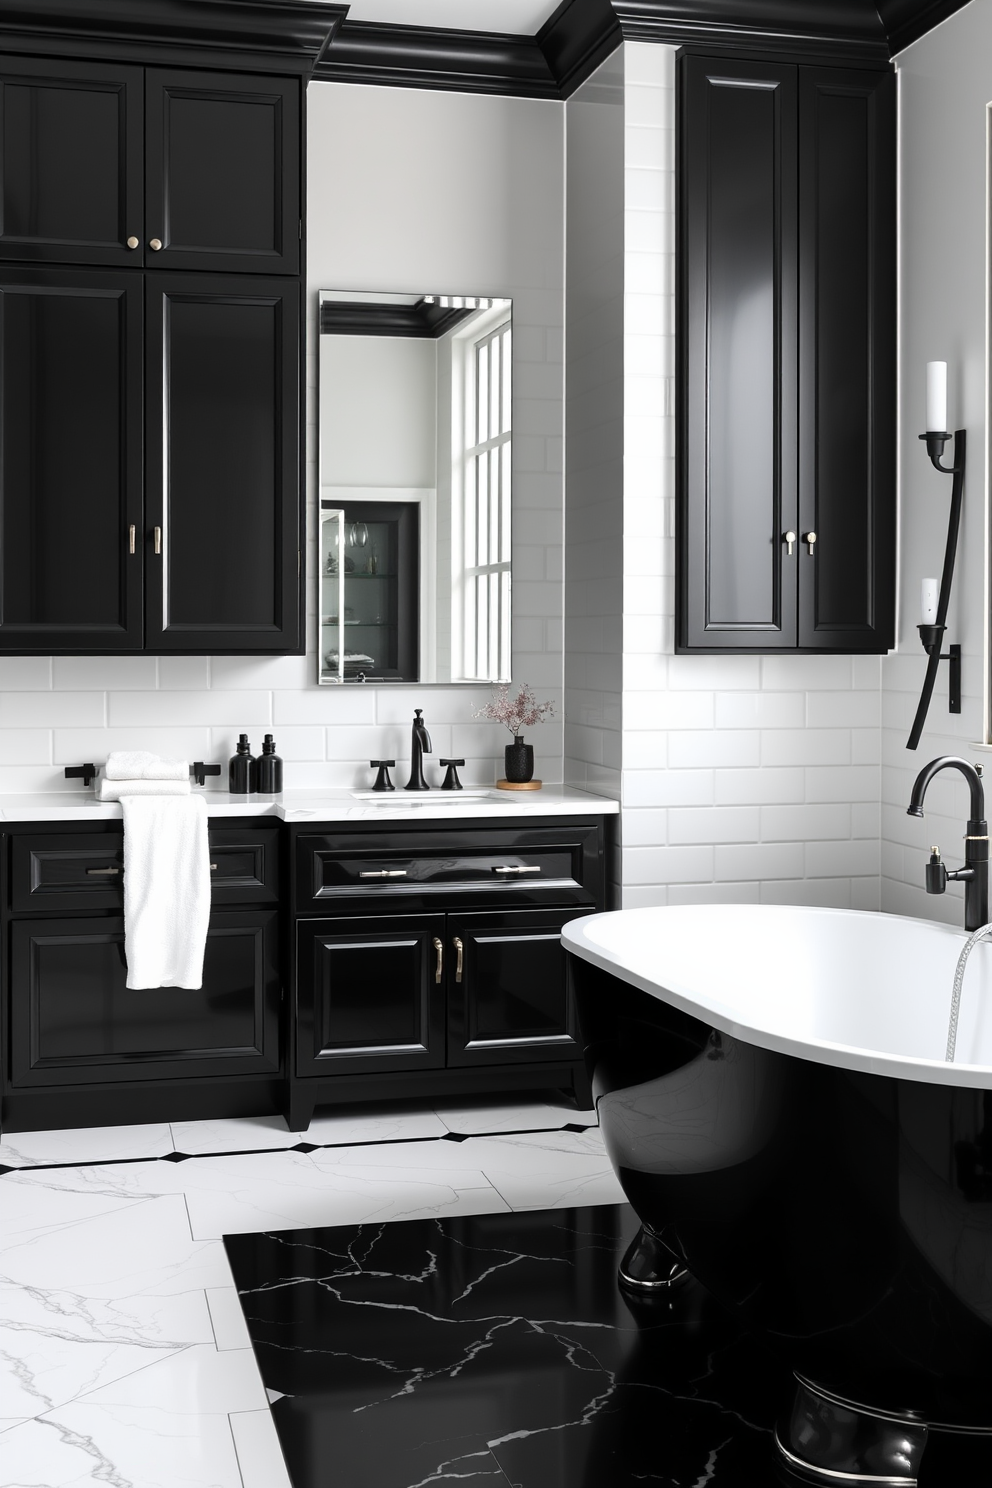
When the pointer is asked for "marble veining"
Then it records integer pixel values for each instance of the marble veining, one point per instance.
(497, 1348)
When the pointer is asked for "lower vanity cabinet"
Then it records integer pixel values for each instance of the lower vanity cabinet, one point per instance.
(82, 1048)
(430, 962)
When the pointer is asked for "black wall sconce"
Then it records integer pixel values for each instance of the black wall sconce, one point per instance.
(932, 634)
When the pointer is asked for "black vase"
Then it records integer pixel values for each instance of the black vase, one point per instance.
(519, 761)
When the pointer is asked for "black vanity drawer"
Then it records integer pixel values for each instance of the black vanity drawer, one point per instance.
(63, 872)
(479, 863)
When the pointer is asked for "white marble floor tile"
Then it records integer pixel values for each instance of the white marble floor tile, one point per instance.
(551, 1170)
(230, 1329)
(167, 1426)
(476, 1118)
(239, 1134)
(259, 1454)
(89, 1144)
(400, 1124)
(7, 1422)
(29, 1211)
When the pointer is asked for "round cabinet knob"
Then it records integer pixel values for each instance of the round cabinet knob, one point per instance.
(155, 244)
(810, 539)
(789, 540)
(132, 241)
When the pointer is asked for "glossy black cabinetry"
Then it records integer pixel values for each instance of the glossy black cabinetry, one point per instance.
(430, 960)
(786, 300)
(150, 419)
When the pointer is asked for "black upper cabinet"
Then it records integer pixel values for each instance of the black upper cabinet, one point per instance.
(70, 459)
(786, 449)
(223, 180)
(222, 536)
(102, 162)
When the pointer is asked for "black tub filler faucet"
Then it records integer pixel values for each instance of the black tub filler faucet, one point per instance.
(975, 873)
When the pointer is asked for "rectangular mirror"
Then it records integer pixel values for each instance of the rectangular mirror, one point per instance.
(414, 580)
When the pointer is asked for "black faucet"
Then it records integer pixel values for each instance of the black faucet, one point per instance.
(975, 873)
(420, 746)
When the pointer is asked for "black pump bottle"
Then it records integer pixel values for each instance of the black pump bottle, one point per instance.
(241, 770)
(268, 769)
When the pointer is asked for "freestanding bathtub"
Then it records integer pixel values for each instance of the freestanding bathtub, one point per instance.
(773, 1096)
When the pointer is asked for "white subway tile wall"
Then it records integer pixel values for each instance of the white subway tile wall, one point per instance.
(743, 779)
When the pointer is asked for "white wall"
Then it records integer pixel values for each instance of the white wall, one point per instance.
(409, 190)
(742, 778)
(378, 410)
(945, 88)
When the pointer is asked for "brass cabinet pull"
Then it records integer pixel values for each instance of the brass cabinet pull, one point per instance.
(458, 964)
(810, 538)
(155, 244)
(130, 539)
(519, 868)
(382, 873)
(158, 541)
(95, 871)
(789, 539)
(439, 968)
(132, 241)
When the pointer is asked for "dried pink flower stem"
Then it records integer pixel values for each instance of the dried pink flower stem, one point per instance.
(517, 713)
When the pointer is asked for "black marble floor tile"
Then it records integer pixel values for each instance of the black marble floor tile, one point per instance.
(497, 1349)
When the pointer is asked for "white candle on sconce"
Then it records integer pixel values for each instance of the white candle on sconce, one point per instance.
(936, 397)
(928, 602)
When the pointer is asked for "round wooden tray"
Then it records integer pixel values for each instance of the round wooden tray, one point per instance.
(519, 784)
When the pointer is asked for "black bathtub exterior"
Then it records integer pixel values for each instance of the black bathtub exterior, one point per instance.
(845, 1216)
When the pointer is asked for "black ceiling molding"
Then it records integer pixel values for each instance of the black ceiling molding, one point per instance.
(906, 21)
(428, 57)
(579, 36)
(364, 318)
(293, 29)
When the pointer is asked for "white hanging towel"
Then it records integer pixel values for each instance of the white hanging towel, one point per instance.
(140, 764)
(166, 889)
(116, 790)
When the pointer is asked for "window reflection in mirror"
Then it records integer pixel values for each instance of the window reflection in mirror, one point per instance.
(415, 431)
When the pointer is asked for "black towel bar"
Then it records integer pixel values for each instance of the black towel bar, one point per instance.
(87, 773)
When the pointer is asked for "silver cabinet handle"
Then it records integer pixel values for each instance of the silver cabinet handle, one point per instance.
(810, 538)
(130, 539)
(94, 871)
(439, 968)
(519, 868)
(458, 964)
(382, 873)
(158, 541)
(789, 539)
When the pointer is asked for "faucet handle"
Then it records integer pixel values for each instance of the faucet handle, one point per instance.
(382, 780)
(451, 781)
(936, 873)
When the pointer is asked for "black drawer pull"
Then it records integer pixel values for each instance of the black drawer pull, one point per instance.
(383, 873)
(520, 868)
(94, 871)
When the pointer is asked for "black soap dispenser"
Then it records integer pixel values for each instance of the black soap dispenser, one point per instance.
(268, 769)
(241, 770)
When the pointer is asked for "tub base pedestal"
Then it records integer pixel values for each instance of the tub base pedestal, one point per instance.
(828, 1440)
(650, 1267)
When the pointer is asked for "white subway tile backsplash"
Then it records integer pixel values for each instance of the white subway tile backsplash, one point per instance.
(824, 893)
(713, 824)
(184, 673)
(714, 673)
(715, 893)
(756, 786)
(667, 787)
(663, 865)
(760, 861)
(832, 859)
(842, 783)
(823, 746)
(101, 673)
(240, 709)
(28, 673)
(760, 710)
(26, 747)
(734, 748)
(667, 710)
(76, 746)
(51, 709)
(803, 823)
(842, 710)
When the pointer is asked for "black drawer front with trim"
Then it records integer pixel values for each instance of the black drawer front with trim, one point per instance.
(74, 1021)
(62, 873)
(466, 866)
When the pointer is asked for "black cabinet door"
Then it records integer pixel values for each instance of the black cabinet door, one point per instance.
(736, 581)
(74, 1022)
(70, 460)
(223, 171)
(222, 528)
(847, 377)
(508, 1001)
(370, 994)
(72, 161)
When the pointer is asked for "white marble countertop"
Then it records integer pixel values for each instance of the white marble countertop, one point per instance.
(330, 805)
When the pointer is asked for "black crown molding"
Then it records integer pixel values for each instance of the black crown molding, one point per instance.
(372, 318)
(427, 57)
(906, 21)
(297, 30)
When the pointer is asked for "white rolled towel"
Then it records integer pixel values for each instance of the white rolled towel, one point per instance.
(141, 764)
(115, 790)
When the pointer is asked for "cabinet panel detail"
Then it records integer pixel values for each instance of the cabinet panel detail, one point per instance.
(512, 995)
(368, 990)
(74, 1021)
(71, 160)
(70, 435)
(223, 452)
(223, 171)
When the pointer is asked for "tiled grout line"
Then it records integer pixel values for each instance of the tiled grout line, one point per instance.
(175, 1157)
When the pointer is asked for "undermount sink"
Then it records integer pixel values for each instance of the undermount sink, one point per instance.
(422, 798)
